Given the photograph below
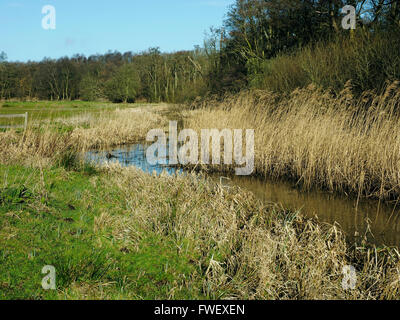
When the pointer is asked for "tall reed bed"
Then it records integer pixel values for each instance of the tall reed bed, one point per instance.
(338, 143)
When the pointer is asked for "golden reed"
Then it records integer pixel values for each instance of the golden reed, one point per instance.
(337, 143)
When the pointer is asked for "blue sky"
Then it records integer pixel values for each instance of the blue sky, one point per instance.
(96, 26)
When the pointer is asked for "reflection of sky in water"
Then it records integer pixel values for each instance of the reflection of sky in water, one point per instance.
(384, 219)
(132, 155)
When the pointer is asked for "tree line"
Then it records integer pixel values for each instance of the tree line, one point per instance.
(150, 75)
(233, 56)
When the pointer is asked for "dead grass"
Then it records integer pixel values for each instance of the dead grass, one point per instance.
(46, 142)
(246, 249)
(120, 127)
(340, 144)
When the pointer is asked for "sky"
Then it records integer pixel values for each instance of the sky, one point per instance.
(97, 26)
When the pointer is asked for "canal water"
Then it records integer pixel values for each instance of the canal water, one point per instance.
(379, 222)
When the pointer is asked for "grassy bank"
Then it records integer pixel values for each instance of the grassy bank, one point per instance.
(117, 233)
(343, 144)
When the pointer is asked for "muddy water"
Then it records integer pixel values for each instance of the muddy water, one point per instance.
(379, 222)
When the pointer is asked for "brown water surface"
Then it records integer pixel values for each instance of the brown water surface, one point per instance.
(379, 222)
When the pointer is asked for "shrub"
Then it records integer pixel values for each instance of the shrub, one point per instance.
(369, 60)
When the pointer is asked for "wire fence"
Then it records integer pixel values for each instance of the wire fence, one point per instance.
(25, 116)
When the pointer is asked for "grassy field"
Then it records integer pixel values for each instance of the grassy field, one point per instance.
(57, 109)
(52, 110)
(119, 233)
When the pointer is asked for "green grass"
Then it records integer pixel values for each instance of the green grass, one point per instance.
(55, 112)
(56, 109)
(48, 219)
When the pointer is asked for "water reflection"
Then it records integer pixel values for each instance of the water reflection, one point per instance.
(355, 219)
(130, 155)
(382, 220)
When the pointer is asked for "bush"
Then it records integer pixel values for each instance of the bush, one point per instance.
(369, 60)
(90, 89)
(282, 74)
